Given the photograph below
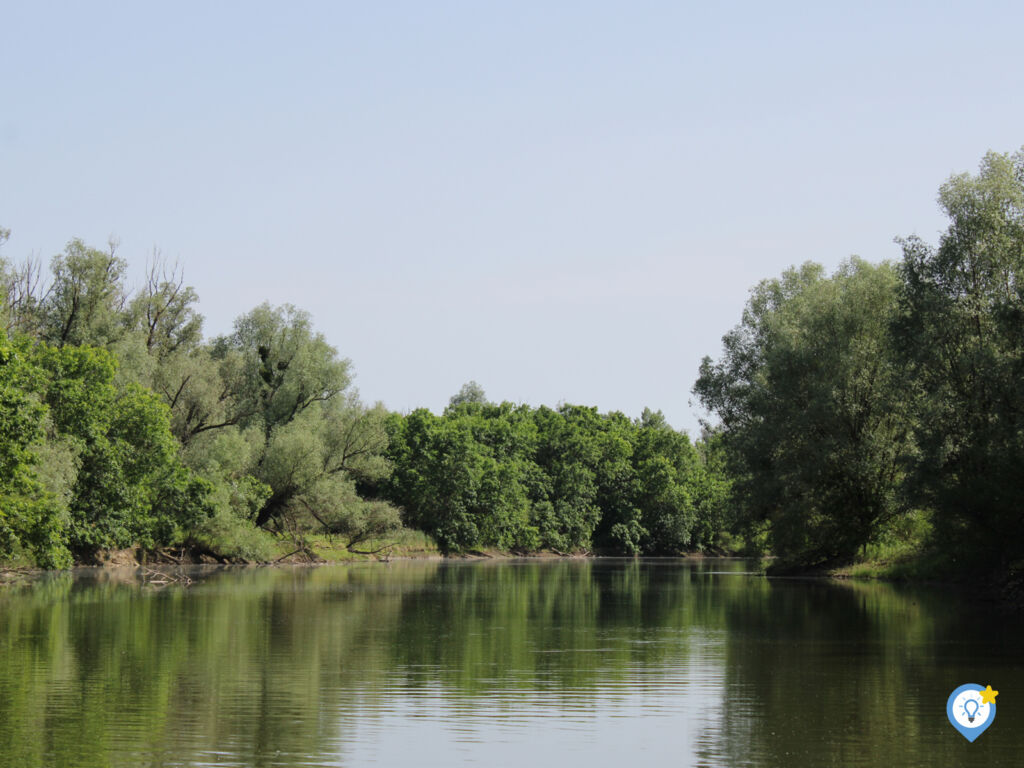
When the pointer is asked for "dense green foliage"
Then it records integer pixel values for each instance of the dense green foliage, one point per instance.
(124, 427)
(27, 518)
(121, 427)
(809, 395)
(129, 485)
(90, 465)
(887, 400)
(961, 334)
(518, 478)
(880, 406)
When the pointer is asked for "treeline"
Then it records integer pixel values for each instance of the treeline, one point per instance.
(121, 426)
(878, 407)
(518, 478)
(885, 403)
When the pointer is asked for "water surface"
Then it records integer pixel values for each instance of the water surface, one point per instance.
(538, 663)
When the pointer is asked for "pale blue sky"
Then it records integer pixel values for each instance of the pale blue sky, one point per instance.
(562, 201)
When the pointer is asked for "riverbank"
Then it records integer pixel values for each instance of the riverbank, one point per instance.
(317, 550)
(905, 562)
(919, 567)
(406, 544)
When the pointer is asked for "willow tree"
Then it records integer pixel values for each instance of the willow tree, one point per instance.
(85, 302)
(281, 410)
(961, 334)
(812, 412)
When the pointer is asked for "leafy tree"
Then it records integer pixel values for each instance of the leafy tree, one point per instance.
(31, 518)
(471, 392)
(567, 453)
(286, 395)
(144, 434)
(272, 433)
(618, 486)
(281, 367)
(437, 473)
(961, 335)
(463, 477)
(665, 464)
(710, 488)
(86, 299)
(511, 477)
(164, 311)
(200, 390)
(130, 486)
(812, 409)
(312, 462)
(162, 344)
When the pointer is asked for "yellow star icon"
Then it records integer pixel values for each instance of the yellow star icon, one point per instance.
(988, 696)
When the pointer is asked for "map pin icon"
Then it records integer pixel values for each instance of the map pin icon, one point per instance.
(969, 711)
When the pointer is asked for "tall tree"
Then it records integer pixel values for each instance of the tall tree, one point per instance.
(812, 411)
(164, 311)
(130, 486)
(30, 518)
(86, 301)
(961, 334)
(285, 391)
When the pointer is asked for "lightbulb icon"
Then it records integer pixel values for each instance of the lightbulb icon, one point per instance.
(971, 708)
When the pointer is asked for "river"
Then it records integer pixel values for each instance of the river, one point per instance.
(499, 663)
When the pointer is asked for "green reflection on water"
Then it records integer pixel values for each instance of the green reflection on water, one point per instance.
(695, 663)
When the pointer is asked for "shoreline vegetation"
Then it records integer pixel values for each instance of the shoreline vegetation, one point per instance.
(868, 424)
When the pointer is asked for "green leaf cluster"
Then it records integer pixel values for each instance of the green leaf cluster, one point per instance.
(511, 477)
(813, 413)
(887, 399)
(121, 426)
(961, 335)
(90, 465)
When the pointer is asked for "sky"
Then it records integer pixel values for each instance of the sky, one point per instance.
(563, 201)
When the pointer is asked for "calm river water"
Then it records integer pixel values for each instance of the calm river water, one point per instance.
(511, 663)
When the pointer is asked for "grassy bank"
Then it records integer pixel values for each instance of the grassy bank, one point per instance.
(406, 543)
(903, 566)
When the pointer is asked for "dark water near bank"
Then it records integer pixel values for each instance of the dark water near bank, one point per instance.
(589, 663)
